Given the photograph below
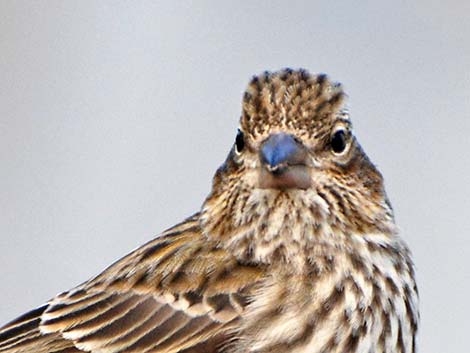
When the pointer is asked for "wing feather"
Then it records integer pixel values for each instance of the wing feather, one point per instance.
(177, 293)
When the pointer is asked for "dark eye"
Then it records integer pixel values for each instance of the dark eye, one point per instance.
(338, 141)
(239, 142)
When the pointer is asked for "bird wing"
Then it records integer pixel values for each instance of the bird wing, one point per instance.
(177, 293)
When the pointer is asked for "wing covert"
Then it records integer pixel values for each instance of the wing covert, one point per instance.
(177, 292)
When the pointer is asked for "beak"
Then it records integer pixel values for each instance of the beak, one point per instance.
(284, 163)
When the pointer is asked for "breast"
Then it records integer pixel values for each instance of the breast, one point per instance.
(356, 300)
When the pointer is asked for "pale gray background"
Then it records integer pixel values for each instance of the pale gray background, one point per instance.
(114, 116)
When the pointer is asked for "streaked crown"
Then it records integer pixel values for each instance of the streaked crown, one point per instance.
(290, 100)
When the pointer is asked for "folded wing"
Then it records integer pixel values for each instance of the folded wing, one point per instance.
(177, 293)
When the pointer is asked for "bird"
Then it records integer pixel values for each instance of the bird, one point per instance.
(294, 250)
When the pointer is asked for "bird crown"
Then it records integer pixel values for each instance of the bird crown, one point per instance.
(291, 100)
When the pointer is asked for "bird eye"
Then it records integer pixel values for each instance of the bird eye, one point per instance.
(338, 141)
(239, 142)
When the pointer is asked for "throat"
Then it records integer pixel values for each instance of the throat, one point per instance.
(271, 226)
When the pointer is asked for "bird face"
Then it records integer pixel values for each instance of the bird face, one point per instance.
(288, 160)
(294, 135)
(295, 163)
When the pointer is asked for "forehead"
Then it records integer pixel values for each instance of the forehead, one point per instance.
(294, 101)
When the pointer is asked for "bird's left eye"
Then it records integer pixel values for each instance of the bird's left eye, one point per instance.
(338, 141)
(239, 142)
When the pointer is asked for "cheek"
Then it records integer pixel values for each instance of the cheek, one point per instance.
(250, 178)
(250, 162)
(327, 178)
(317, 162)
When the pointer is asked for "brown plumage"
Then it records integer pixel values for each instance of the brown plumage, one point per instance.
(294, 250)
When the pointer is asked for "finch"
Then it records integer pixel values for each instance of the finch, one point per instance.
(295, 250)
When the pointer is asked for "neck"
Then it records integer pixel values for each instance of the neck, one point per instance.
(295, 226)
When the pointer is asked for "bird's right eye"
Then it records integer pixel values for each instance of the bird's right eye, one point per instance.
(239, 142)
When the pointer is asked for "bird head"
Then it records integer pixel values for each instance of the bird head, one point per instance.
(295, 160)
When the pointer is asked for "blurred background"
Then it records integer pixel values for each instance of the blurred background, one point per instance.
(114, 116)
